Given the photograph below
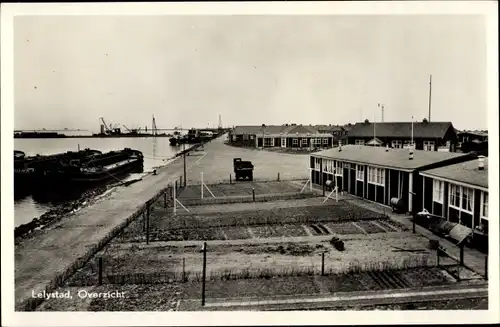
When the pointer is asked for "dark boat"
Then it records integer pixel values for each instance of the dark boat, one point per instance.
(28, 170)
(93, 170)
(23, 175)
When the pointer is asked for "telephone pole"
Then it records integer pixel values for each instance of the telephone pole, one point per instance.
(430, 96)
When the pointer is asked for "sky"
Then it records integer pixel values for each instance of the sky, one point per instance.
(250, 70)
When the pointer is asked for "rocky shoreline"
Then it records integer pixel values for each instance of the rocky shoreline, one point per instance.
(54, 215)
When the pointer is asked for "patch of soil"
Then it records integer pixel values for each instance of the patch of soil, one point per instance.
(420, 277)
(255, 287)
(369, 227)
(343, 228)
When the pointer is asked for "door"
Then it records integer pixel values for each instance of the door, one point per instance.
(283, 142)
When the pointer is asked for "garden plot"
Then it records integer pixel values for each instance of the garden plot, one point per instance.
(255, 259)
(343, 228)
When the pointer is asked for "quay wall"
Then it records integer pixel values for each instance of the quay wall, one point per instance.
(46, 260)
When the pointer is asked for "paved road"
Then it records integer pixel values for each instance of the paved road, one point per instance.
(40, 259)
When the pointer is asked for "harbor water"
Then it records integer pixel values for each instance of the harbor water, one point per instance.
(156, 150)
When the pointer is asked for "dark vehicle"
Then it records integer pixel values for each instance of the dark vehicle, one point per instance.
(243, 169)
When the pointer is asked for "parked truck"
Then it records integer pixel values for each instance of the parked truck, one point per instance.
(243, 169)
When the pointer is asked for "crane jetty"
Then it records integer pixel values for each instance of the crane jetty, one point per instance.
(107, 130)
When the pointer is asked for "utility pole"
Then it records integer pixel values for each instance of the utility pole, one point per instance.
(430, 96)
(184, 155)
(204, 273)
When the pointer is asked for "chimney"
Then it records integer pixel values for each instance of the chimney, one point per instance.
(480, 162)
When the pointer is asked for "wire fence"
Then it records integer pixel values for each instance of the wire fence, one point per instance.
(97, 274)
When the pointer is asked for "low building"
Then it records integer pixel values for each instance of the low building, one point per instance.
(281, 136)
(459, 193)
(428, 136)
(380, 174)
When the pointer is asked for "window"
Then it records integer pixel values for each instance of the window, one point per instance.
(360, 172)
(406, 145)
(251, 137)
(304, 141)
(454, 198)
(438, 191)
(338, 168)
(325, 141)
(461, 198)
(397, 144)
(295, 141)
(376, 175)
(268, 141)
(484, 205)
(234, 137)
(359, 142)
(317, 162)
(428, 145)
(467, 199)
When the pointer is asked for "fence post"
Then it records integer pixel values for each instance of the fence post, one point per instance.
(461, 254)
(278, 176)
(253, 194)
(437, 257)
(176, 185)
(183, 270)
(147, 222)
(486, 267)
(144, 221)
(100, 270)
(230, 182)
(180, 181)
(323, 264)
(204, 273)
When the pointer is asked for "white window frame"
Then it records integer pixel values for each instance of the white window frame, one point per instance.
(359, 142)
(360, 173)
(283, 142)
(397, 144)
(438, 191)
(460, 198)
(376, 176)
(295, 141)
(406, 144)
(339, 169)
(268, 142)
(484, 196)
(251, 137)
(429, 145)
(317, 163)
(325, 141)
(470, 199)
(303, 141)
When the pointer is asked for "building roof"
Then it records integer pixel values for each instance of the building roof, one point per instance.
(465, 172)
(478, 133)
(401, 129)
(275, 129)
(391, 158)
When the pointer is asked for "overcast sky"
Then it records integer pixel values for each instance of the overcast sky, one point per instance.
(186, 70)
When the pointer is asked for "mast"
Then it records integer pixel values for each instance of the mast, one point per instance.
(411, 145)
(430, 96)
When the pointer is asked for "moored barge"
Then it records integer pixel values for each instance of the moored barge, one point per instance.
(92, 170)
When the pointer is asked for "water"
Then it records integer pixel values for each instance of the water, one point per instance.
(156, 151)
